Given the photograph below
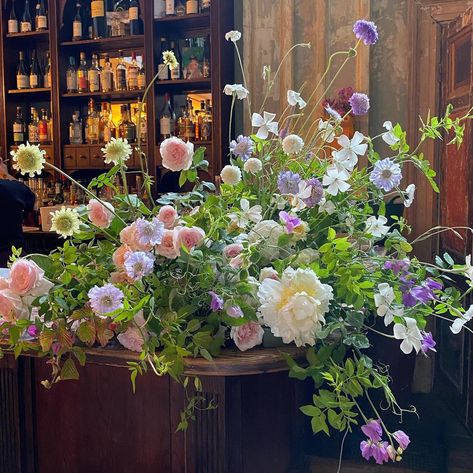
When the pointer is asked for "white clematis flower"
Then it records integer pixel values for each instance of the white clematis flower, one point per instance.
(458, 323)
(409, 334)
(389, 137)
(383, 301)
(347, 156)
(265, 124)
(294, 98)
(335, 180)
(376, 227)
(233, 36)
(236, 89)
(328, 131)
(409, 195)
(248, 214)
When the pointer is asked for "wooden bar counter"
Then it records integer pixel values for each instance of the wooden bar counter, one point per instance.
(97, 424)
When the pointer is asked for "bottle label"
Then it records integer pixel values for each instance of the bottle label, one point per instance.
(33, 134)
(77, 29)
(25, 26)
(130, 133)
(71, 82)
(107, 134)
(141, 81)
(34, 81)
(206, 131)
(94, 81)
(48, 80)
(42, 22)
(133, 13)
(18, 133)
(163, 72)
(132, 78)
(107, 80)
(82, 82)
(165, 126)
(12, 26)
(176, 72)
(170, 7)
(121, 79)
(97, 8)
(192, 6)
(22, 82)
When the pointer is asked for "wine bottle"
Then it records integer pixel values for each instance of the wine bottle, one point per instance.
(35, 72)
(170, 7)
(94, 74)
(71, 77)
(48, 72)
(19, 128)
(106, 77)
(97, 9)
(132, 73)
(26, 23)
(77, 24)
(12, 20)
(142, 77)
(120, 74)
(82, 75)
(134, 17)
(167, 119)
(41, 19)
(22, 76)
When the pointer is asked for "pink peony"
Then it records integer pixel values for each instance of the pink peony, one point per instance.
(25, 276)
(11, 307)
(166, 248)
(233, 250)
(120, 255)
(188, 237)
(129, 237)
(100, 215)
(176, 154)
(247, 336)
(168, 216)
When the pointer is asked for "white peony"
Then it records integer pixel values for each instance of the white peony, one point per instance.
(292, 144)
(294, 307)
(231, 175)
(233, 35)
(253, 166)
(267, 231)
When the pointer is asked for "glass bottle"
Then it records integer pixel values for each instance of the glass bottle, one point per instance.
(190, 122)
(35, 72)
(43, 128)
(13, 20)
(127, 129)
(92, 125)
(141, 122)
(192, 7)
(170, 7)
(134, 17)
(41, 19)
(99, 25)
(167, 119)
(19, 128)
(120, 74)
(82, 75)
(205, 6)
(206, 129)
(106, 77)
(132, 73)
(176, 71)
(163, 70)
(75, 130)
(58, 194)
(142, 77)
(181, 123)
(180, 8)
(77, 33)
(107, 127)
(48, 72)
(22, 76)
(71, 77)
(33, 127)
(94, 74)
(26, 22)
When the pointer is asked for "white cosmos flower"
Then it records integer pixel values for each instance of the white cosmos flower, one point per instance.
(294, 98)
(248, 214)
(292, 144)
(231, 175)
(28, 159)
(267, 232)
(236, 89)
(265, 124)
(294, 307)
(376, 227)
(335, 180)
(458, 323)
(65, 222)
(328, 131)
(383, 301)
(233, 35)
(116, 151)
(409, 195)
(347, 156)
(409, 334)
(253, 165)
(389, 137)
(297, 200)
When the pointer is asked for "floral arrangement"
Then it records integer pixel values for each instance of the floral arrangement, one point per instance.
(290, 241)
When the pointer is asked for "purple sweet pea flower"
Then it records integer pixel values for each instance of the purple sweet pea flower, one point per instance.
(242, 147)
(360, 103)
(396, 266)
(366, 448)
(433, 285)
(373, 430)
(288, 182)
(216, 302)
(235, 312)
(290, 221)
(428, 342)
(367, 31)
(32, 331)
(402, 439)
(379, 451)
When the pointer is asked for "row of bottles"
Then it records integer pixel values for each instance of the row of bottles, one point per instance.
(99, 126)
(191, 125)
(38, 130)
(38, 74)
(181, 7)
(106, 78)
(25, 22)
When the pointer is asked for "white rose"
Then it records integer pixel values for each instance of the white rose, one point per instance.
(267, 231)
(292, 144)
(231, 175)
(253, 165)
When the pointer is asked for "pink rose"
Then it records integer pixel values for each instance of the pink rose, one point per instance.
(247, 336)
(233, 250)
(4, 284)
(11, 307)
(168, 216)
(100, 215)
(166, 248)
(25, 276)
(237, 262)
(134, 337)
(119, 256)
(129, 237)
(189, 237)
(176, 154)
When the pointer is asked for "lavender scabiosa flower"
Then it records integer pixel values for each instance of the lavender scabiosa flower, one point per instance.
(149, 233)
(216, 302)
(288, 182)
(290, 221)
(367, 31)
(428, 342)
(242, 147)
(360, 103)
(386, 175)
(317, 192)
(105, 299)
(138, 264)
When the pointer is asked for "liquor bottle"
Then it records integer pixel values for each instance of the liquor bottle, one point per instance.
(200, 121)
(97, 10)
(26, 22)
(134, 17)
(142, 77)
(127, 129)
(82, 75)
(106, 76)
(176, 70)
(181, 123)
(107, 127)
(163, 70)
(41, 18)
(33, 127)
(43, 128)
(159, 8)
(77, 25)
(132, 73)
(50, 128)
(192, 7)
(94, 74)
(35, 72)
(167, 119)
(92, 125)
(207, 122)
(12, 20)
(120, 74)
(170, 7)
(58, 198)
(205, 6)
(19, 128)
(206, 59)
(71, 77)
(75, 130)
(141, 122)
(22, 76)
(48, 72)
(180, 7)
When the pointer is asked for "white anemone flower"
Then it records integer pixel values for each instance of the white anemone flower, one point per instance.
(28, 159)
(292, 144)
(335, 180)
(265, 124)
(231, 175)
(65, 222)
(294, 98)
(117, 151)
(409, 334)
(236, 89)
(233, 36)
(376, 227)
(409, 195)
(458, 323)
(298, 200)
(347, 156)
(389, 137)
(248, 214)
(328, 131)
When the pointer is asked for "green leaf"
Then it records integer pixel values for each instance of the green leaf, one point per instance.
(69, 370)
(310, 411)
(319, 425)
(182, 178)
(357, 340)
(331, 234)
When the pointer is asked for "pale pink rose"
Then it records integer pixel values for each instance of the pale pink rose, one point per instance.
(134, 337)
(233, 250)
(168, 216)
(100, 215)
(129, 237)
(188, 237)
(176, 154)
(166, 248)
(120, 277)
(237, 262)
(119, 256)
(25, 276)
(268, 273)
(4, 284)
(11, 307)
(247, 336)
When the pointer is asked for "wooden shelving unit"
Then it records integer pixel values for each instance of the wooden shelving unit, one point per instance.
(58, 41)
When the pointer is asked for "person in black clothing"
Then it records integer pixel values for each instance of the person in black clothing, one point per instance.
(16, 200)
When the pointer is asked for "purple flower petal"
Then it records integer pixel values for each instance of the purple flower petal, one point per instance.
(373, 430)
(402, 439)
(360, 103)
(216, 302)
(366, 31)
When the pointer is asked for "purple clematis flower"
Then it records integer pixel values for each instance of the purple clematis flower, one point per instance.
(317, 192)
(290, 221)
(32, 331)
(428, 342)
(216, 302)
